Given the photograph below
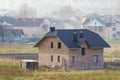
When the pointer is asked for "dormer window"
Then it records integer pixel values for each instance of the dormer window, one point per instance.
(51, 45)
(83, 51)
(59, 45)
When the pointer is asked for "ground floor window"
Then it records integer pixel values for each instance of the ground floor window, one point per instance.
(118, 34)
(114, 35)
(58, 58)
(73, 59)
(95, 58)
(51, 58)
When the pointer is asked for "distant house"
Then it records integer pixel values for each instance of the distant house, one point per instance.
(107, 26)
(32, 27)
(96, 24)
(12, 35)
(71, 49)
(114, 31)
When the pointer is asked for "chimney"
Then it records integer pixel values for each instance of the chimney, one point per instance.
(52, 29)
(75, 36)
(81, 34)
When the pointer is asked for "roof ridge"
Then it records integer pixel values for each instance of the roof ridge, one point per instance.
(71, 29)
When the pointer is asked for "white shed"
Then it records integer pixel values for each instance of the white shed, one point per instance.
(29, 64)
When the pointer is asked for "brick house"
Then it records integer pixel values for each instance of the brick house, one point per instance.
(71, 49)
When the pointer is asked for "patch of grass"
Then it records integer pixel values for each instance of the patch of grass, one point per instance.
(15, 73)
(78, 75)
(113, 68)
(18, 48)
(112, 55)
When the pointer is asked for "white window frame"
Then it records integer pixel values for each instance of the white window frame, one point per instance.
(95, 59)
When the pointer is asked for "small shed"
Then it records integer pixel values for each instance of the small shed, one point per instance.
(29, 64)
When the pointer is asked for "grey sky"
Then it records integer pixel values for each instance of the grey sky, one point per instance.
(43, 6)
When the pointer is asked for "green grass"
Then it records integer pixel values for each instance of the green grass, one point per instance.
(112, 55)
(18, 48)
(114, 41)
(64, 75)
(11, 70)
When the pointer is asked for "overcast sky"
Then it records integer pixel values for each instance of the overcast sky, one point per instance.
(43, 6)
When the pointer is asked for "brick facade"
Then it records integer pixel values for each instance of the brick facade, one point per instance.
(65, 54)
(45, 52)
(87, 60)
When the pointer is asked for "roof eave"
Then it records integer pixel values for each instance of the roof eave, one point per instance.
(101, 47)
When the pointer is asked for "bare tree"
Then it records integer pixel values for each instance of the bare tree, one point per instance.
(26, 11)
(66, 11)
(1, 30)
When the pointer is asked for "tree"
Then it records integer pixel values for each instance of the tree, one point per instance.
(1, 30)
(26, 11)
(66, 11)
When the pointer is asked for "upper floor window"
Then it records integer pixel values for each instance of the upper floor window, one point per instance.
(83, 51)
(114, 29)
(51, 44)
(59, 45)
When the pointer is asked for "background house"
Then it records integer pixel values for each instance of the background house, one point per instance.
(107, 26)
(71, 48)
(32, 27)
(114, 28)
(96, 24)
(12, 36)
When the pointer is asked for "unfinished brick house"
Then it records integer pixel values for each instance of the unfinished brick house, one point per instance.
(71, 49)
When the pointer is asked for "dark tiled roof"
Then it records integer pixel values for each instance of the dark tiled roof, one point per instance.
(17, 32)
(28, 22)
(66, 36)
(8, 19)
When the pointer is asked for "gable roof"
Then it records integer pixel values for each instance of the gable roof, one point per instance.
(17, 32)
(8, 35)
(8, 19)
(12, 35)
(28, 22)
(89, 19)
(66, 36)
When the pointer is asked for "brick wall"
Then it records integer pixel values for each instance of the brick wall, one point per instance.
(45, 52)
(87, 59)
